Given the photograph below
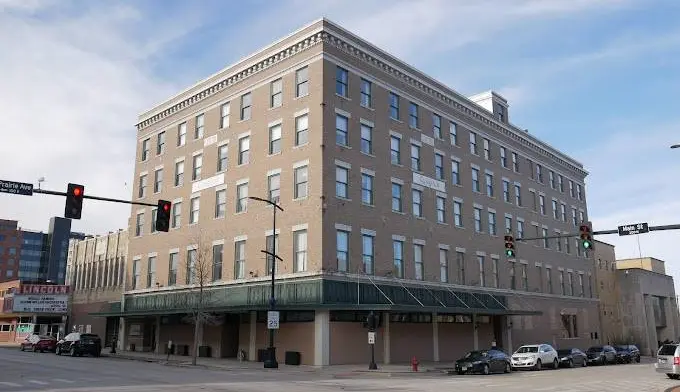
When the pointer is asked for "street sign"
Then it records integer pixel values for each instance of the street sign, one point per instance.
(16, 188)
(636, 228)
(272, 319)
(371, 338)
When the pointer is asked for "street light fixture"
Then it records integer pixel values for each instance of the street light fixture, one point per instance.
(675, 146)
(270, 362)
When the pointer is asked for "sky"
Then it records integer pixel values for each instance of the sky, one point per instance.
(598, 80)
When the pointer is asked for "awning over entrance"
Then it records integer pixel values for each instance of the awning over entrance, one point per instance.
(329, 292)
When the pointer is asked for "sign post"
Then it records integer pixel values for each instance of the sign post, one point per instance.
(634, 228)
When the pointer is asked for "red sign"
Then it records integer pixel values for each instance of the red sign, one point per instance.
(42, 289)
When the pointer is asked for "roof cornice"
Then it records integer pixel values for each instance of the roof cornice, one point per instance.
(332, 34)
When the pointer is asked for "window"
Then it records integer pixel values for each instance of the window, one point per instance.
(276, 93)
(300, 250)
(366, 139)
(460, 261)
(567, 245)
(413, 115)
(458, 213)
(272, 244)
(551, 179)
(275, 139)
(541, 204)
(489, 184)
(244, 150)
(394, 106)
(195, 205)
(197, 166)
(301, 130)
(179, 173)
(443, 265)
(475, 180)
(341, 81)
(176, 214)
(145, 149)
(518, 195)
(534, 200)
(239, 259)
(136, 273)
(225, 111)
(398, 255)
(548, 278)
(571, 189)
(366, 88)
(539, 173)
(173, 263)
(142, 186)
(574, 218)
(154, 212)
(274, 187)
(150, 271)
(546, 241)
(217, 256)
(570, 280)
(242, 197)
(302, 82)
(494, 272)
(504, 157)
(580, 284)
(558, 241)
(453, 133)
(482, 275)
(437, 126)
(492, 223)
(525, 277)
(555, 210)
(396, 198)
(563, 212)
(367, 253)
(342, 250)
(301, 179)
(160, 143)
(220, 203)
(367, 189)
(506, 191)
(157, 180)
(139, 227)
(439, 166)
(415, 157)
(473, 143)
(418, 261)
(199, 127)
(520, 228)
(455, 172)
(441, 209)
(181, 134)
(222, 157)
(478, 219)
(579, 192)
(515, 162)
(341, 182)
(513, 276)
(246, 106)
(487, 149)
(341, 123)
(581, 216)
(417, 203)
(560, 182)
(508, 224)
(395, 150)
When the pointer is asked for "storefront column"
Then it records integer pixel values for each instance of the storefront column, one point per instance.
(252, 337)
(157, 338)
(435, 338)
(386, 337)
(475, 332)
(122, 335)
(508, 328)
(322, 338)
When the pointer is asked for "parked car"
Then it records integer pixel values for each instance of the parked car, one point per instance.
(77, 344)
(484, 362)
(601, 355)
(668, 360)
(534, 356)
(40, 343)
(571, 357)
(627, 353)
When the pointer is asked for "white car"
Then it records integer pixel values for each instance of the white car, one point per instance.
(535, 356)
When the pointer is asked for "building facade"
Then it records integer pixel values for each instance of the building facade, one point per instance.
(35, 256)
(609, 293)
(95, 273)
(396, 193)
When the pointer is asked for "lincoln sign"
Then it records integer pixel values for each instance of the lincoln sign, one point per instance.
(41, 289)
(39, 298)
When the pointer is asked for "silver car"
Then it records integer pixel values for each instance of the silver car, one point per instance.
(668, 360)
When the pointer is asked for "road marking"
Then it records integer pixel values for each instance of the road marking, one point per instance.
(62, 380)
(10, 384)
(37, 382)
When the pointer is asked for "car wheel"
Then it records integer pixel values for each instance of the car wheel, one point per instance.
(460, 372)
(57, 350)
(555, 364)
(73, 351)
(508, 369)
(35, 349)
(485, 370)
(584, 363)
(538, 365)
(637, 359)
(21, 348)
(570, 363)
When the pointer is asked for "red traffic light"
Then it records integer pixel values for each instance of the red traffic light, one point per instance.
(166, 207)
(77, 191)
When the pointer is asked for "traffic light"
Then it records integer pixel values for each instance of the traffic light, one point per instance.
(586, 235)
(372, 321)
(163, 215)
(74, 201)
(510, 246)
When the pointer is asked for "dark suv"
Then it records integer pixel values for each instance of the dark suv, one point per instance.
(77, 344)
(601, 355)
(627, 353)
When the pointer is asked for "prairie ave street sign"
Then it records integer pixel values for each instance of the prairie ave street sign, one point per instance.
(16, 188)
(636, 228)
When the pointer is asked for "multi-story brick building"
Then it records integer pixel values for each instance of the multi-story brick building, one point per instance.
(609, 293)
(396, 192)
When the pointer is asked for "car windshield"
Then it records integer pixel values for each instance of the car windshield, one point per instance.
(476, 355)
(45, 338)
(620, 348)
(595, 349)
(667, 349)
(563, 352)
(527, 349)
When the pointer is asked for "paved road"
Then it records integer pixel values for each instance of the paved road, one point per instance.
(28, 372)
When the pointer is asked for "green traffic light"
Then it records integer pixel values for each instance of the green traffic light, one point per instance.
(586, 244)
(509, 253)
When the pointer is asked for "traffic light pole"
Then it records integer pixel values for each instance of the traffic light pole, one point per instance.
(600, 232)
(55, 193)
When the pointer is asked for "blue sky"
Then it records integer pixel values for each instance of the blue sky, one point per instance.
(597, 79)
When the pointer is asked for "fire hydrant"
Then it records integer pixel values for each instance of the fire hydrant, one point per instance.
(414, 364)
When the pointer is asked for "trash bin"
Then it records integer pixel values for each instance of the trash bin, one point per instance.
(132, 347)
(292, 358)
(204, 351)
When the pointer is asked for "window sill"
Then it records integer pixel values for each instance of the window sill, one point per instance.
(367, 205)
(345, 146)
(342, 198)
(274, 154)
(240, 212)
(399, 212)
(303, 198)
(343, 97)
(300, 145)
(368, 108)
(368, 154)
(301, 96)
(243, 164)
(396, 120)
(415, 128)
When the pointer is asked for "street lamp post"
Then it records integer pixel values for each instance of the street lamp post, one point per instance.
(270, 362)
(675, 146)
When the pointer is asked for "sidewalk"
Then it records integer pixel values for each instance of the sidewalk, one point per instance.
(228, 364)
